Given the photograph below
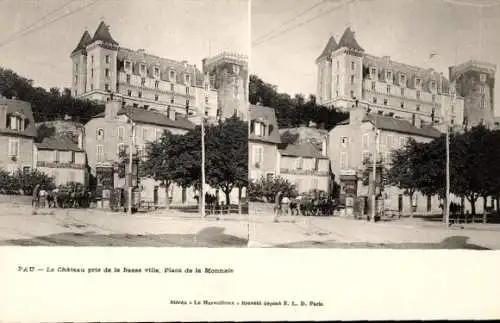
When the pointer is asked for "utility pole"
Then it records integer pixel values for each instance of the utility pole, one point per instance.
(202, 197)
(374, 174)
(130, 163)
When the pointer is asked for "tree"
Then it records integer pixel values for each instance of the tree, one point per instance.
(28, 180)
(404, 170)
(265, 188)
(161, 160)
(227, 156)
(289, 138)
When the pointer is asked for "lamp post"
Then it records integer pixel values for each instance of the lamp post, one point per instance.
(374, 174)
(130, 166)
(202, 193)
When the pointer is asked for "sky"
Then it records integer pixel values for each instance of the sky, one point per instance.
(406, 30)
(177, 29)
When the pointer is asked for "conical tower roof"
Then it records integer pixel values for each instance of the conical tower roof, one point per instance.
(102, 33)
(349, 41)
(84, 41)
(330, 47)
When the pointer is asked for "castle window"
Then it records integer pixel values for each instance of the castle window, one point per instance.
(128, 65)
(128, 78)
(418, 95)
(389, 76)
(157, 84)
(106, 87)
(402, 80)
(418, 82)
(100, 134)
(156, 97)
(433, 85)
(172, 100)
(352, 79)
(373, 85)
(75, 67)
(106, 72)
(353, 66)
(482, 89)
(374, 99)
(373, 72)
(402, 91)
(418, 107)
(143, 68)
(206, 99)
(129, 92)
(92, 72)
(139, 94)
(402, 105)
(482, 78)
(143, 81)
(157, 71)
(172, 87)
(106, 58)
(187, 78)
(187, 89)
(171, 75)
(385, 101)
(388, 89)
(92, 59)
(352, 94)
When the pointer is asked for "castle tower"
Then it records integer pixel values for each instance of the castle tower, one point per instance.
(341, 72)
(79, 59)
(475, 82)
(102, 52)
(229, 77)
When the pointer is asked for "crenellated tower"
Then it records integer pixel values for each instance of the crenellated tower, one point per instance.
(79, 71)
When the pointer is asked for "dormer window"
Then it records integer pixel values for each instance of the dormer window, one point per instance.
(259, 128)
(128, 65)
(143, 68)
(156, 71)
(236, 69)
(402, 80)
(15, 122)
(187, 78)
(482, 78)
(388, 76)
(171, 76)
(418, 82)
(373, 73)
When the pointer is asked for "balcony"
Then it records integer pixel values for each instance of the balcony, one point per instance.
(303, 172)
(59, 165)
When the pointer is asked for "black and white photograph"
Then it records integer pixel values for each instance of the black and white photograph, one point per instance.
(373, 124)
(124, 123)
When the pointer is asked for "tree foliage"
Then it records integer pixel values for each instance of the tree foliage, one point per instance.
(14, 183)
(266, 189)
(292, 111)
(46, 105)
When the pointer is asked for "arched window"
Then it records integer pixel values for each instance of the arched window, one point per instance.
(100, 134)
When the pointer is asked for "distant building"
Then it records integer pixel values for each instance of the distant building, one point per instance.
(109, 133)
(476, 83)
(17, 134)
(103, 70)
(348, 77)
(61, 158)
(263, 143)
(228, 76)
(352, 142)
(304, 166)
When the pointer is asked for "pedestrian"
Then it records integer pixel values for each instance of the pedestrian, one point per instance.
(36, 196)
(285, 204)
(277, 205)
(294, 206)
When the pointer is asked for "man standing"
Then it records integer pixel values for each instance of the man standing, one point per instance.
(277, 205)
(36, 196)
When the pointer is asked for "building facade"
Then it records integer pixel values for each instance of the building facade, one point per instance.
(61, 158)
(263, 143)
(353, 142)
(348, 77)
(102, 69)
(17, 134)
(110, 133)
(229, 77)
(475, 82)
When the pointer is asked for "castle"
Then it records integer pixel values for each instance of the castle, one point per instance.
(103, 70)
(348, 77)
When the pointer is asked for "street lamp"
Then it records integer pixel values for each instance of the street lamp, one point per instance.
(374, 172)
(130, 163)
(202, 193)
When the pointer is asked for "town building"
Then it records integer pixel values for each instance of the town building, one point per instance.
(62, 159)
(475, 82)
(263, 143)
(305, 166)
(110, 133)
(348, 77)
(17, 135)
(103, 69)
(353, 142)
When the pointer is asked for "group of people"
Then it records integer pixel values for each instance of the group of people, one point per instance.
(321, 205)
(58, 198)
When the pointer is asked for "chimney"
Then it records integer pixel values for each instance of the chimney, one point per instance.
(323, 146)
(111, 109)
(80, 139)
(356, 116)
